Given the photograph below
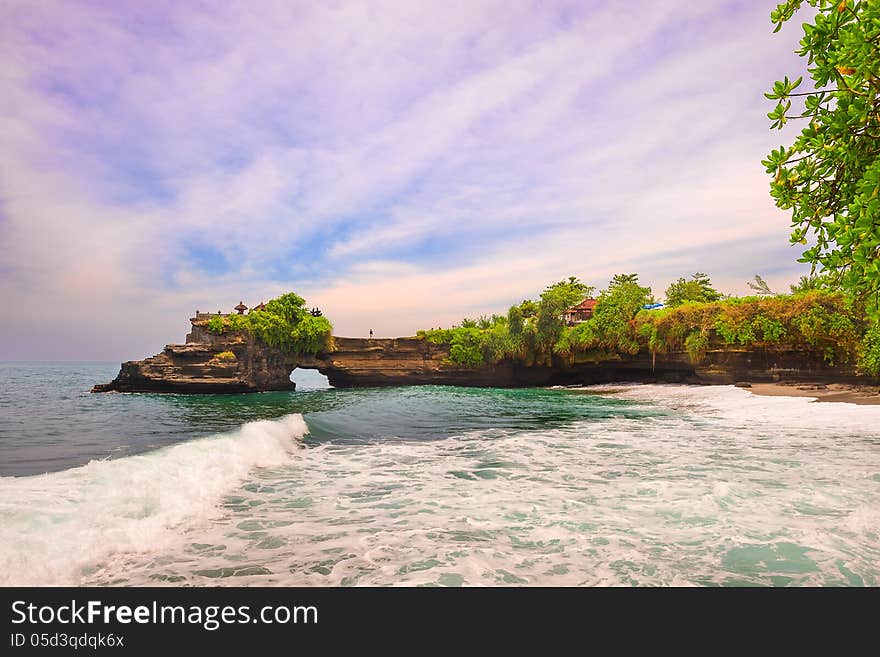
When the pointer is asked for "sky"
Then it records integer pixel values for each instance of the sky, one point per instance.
(400, 164)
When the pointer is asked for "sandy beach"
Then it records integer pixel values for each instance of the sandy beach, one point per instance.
(823, 392)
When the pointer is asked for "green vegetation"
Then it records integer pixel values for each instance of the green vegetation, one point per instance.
(830, 176)
(284, 323)
(815, 318)
(869, 359)
(698, 289)
(225, 355)
(812, 282)
(760, 287)
(611, 327)
(555, 300)
(473, 346)
(528, 332)
(820, 321)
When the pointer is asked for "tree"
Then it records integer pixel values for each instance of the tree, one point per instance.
(699, 289)
(515, 320)
(625, 294)
(623, 279)
(555, 300)
(614, 313)
(830, 176)
(759, 285)
(283, 322)
(811, 282)
(528, 308)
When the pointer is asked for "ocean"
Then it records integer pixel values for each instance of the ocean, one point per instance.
(611, 485)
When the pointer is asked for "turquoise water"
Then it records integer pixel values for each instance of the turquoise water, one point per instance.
(50, 421)
(623, 485)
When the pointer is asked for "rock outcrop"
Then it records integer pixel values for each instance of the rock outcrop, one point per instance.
(234, 363)
(205, 368)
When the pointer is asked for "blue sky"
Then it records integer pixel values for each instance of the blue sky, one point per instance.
(399, 164)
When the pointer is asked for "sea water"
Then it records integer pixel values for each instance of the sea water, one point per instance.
(608, 485)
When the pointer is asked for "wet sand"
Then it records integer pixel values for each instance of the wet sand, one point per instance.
(830, 392)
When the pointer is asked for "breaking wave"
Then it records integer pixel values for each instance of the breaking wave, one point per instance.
(56, 528)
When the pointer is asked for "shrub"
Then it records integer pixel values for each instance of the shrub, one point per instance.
(698, 288)
(473, 346)
(869, 358)
(515, 320)
(284, 323)
(818, 320)
(696, 345)
(215, 325)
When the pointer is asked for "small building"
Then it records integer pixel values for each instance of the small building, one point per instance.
(241, 307)
(581, 312)
(259, 306)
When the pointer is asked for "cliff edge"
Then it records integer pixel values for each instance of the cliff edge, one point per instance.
(236, 362)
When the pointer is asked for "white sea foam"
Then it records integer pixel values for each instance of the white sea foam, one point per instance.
(679, 485)
(57, 527)
(707, 486)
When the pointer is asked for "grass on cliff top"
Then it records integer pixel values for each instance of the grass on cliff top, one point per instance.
(819, 321)
(284, 323)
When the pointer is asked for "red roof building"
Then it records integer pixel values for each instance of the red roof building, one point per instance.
(581, 312)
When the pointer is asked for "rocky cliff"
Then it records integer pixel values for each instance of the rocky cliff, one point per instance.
(234, 363)
(237, 363)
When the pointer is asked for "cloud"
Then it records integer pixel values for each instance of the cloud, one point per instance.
(400, 164)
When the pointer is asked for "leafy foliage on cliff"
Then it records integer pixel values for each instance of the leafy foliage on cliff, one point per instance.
(529, 331)
(284, 322)
(698, 288)
(472, 346)
(869, 358)
(610, 327)
(818, 320)
(829, 177)
(555, 300)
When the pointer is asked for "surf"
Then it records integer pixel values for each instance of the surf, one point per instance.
(56, 528)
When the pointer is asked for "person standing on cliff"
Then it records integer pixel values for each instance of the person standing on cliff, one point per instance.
(371, 334)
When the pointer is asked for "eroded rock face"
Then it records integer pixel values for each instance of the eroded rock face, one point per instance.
(223, 367)
(399, 361)
(729, 365)
(237, 363)
(234, 363)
